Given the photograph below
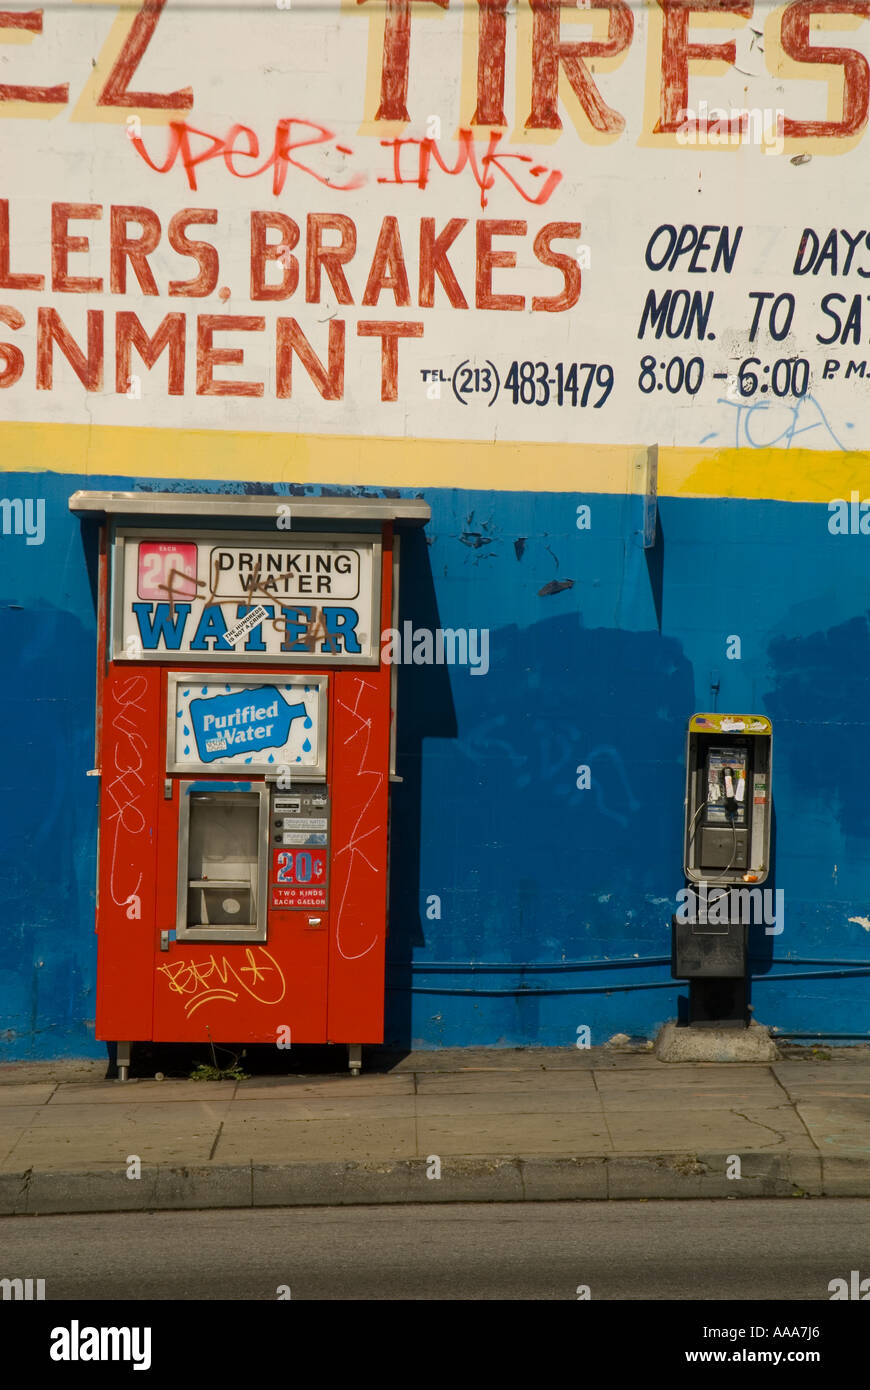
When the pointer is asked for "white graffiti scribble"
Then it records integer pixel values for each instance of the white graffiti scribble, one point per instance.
(125, 789)
(362, 732)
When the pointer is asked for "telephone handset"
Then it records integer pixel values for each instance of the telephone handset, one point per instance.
(726, 785)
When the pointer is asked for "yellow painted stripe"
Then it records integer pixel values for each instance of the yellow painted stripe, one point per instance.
(787, 475)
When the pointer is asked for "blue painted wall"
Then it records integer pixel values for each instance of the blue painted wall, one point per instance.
(529, 870)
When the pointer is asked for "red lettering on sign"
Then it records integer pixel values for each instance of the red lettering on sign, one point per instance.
(116, 88)
(856, 75)
(568, 265)
(263, 251)
(397, 49)
(389, 334)
(51, 329)
(328, 380)
(62, 244)
(549, 53)
(331, 258)
(677, 53)
(8, 281)
(490, 64)
(208, 357)
(388, 267)
(203, 253)
(31, 23)
(487, 260)
(129, 333)
(13, 357)
(135, 249)
(433, 261)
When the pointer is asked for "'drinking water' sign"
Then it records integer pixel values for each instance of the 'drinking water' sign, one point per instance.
(251, 598)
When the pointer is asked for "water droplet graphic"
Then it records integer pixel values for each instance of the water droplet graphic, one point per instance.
(186, 732)
(306, 747)
(187, 748)
(185, 692)
(271, 758)
(307, 722)
(204, 690)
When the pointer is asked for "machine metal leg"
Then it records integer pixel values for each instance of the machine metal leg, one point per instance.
(123, 1060)
(354, 1058)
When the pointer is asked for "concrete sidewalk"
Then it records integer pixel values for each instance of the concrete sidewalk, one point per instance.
(504, 1125)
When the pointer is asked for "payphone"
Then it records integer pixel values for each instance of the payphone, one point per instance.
(726, 851)
(245, 746)
(727, 806)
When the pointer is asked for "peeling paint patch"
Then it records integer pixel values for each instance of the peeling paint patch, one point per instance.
(862, 922)
(555, 586)
(519, 546)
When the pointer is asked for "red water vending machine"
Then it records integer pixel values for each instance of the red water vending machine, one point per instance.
(245, 747)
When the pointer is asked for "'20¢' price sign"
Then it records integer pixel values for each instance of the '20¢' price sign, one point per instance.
(299, 878)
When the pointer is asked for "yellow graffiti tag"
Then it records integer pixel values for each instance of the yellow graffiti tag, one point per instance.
(203, 981)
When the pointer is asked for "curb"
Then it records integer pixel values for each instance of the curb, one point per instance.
(659, 1177)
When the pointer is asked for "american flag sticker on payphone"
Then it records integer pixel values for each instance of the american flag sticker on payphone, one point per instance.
(215, 723)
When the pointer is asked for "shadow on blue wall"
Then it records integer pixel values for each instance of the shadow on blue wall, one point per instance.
(492, 832)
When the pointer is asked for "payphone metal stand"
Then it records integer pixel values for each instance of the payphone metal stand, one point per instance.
(727, 850)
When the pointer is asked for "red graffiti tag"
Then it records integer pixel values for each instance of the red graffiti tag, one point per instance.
(293, 134)
(240, 143)
(484, 173)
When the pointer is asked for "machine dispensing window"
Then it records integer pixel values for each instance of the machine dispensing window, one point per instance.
(223, 869)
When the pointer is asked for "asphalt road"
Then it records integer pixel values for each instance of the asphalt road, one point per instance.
(747, 1250)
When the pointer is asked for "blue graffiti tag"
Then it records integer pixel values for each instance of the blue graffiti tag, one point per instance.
(804, 416)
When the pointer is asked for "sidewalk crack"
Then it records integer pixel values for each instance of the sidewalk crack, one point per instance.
(739, 1113)
(603, 1111)
(794, 1105)
(417, 1153)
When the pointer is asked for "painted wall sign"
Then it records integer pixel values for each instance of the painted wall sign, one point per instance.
(593, 222)
(251, 598)
(214, 723)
